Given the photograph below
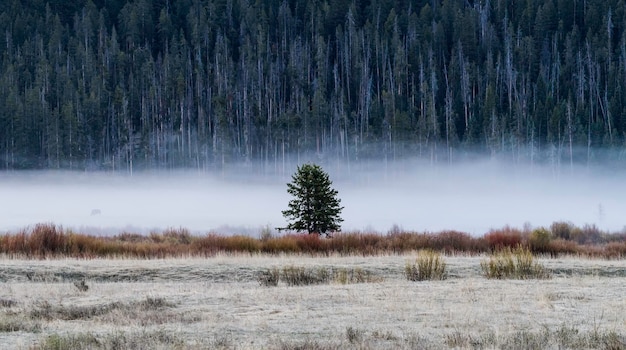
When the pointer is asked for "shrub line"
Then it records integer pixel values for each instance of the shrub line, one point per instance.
(44, 241)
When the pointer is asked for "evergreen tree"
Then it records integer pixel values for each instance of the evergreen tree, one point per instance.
(315, 207)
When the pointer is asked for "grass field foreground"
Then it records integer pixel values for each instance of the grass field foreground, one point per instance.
(195, 303)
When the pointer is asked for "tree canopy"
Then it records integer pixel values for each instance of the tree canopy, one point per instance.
(117, 84)
(315, 207)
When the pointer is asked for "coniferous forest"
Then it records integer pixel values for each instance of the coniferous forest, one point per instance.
(117, 84)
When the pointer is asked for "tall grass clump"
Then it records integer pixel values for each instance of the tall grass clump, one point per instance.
(301, 276)
(518, 263)
(429, 265)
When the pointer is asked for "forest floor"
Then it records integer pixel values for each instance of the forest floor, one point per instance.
(218, 302)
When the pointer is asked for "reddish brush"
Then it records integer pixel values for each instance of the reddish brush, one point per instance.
(503, 238)
(48, 240)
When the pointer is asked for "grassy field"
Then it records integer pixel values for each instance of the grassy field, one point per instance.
(219, 302)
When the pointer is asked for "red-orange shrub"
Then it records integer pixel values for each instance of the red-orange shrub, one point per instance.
(506, 237)
(559, 247)
(310, 243)
(46, 239)
(284, 244)
(407, 241)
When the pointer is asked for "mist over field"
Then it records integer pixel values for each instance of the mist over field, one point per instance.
(412, 195)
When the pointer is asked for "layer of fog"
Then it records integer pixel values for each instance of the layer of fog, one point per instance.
(472, 197)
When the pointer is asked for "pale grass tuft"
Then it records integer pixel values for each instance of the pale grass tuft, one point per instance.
(429, 265)
(354, 275)
(518, 263)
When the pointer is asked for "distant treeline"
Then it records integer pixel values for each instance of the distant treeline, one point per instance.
(118, 84)
(49, 241)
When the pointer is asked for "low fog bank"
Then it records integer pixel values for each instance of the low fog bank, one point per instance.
(477, 196)
(471, 196)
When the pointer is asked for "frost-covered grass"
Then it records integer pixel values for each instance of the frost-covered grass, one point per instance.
(197, 303)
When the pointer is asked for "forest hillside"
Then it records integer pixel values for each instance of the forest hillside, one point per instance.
(117, 84)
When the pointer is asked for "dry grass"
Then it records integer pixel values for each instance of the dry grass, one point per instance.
(429, 265)
(304, 276)
(218, 303)
(516, 263)
(120, 340)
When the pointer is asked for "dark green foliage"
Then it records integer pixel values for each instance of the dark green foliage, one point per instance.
(315, 207)
(121, 84)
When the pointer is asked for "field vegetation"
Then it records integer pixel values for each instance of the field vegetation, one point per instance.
(50, 241)
(559, 287)
(429, 265)
(513, 263)
(329, 302)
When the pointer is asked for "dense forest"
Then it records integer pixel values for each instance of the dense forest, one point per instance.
(117, 84)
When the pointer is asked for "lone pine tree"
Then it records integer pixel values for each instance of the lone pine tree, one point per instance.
(315, 207)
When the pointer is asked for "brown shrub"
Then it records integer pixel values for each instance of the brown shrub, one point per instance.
(284, 244)
(346, 243)
(15, 244)
(506, 237)
(177, 236)
(560, 246)
(212, 243)
(407, 241)
(452, 241)
(131, 237)
(615, 250)
(356, 243)
(310, 243)
(47, 239)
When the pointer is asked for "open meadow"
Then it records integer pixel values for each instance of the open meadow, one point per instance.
(230, 301)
